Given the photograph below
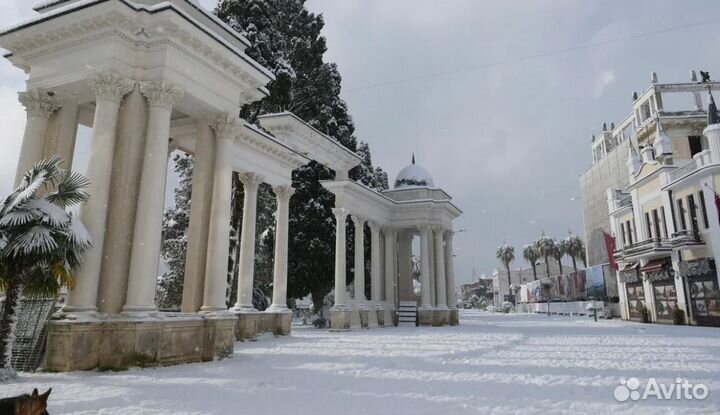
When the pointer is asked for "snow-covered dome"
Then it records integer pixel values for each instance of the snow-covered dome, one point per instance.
(413, 176)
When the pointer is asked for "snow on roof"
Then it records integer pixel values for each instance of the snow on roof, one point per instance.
(413, 176)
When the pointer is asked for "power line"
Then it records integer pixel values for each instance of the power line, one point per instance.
(534, 56)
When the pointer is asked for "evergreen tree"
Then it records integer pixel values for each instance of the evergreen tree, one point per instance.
(286, 38)
(176, 222)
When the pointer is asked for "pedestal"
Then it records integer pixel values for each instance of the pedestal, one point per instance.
(339, 319)
(247, 325)
(454, 317)
(441, 317)
(281, 322)
(380, 317)
(364, 317)
(425, 316)
(118, 343)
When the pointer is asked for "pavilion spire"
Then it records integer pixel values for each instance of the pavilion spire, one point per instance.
(413, 157)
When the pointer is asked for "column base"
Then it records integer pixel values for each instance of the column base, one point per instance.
(247, 325)
(380, 312)
(339, 319)
(441, 317)
(425, 316)
(364, 317)
(454, 316)
(118, 343)
(280, 321)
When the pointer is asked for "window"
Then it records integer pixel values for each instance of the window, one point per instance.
(630, 232)
(664, 222)
(622, 231)
(656, 222)
(695, 142)
(692, 208)
(681, 213)
(704, 210)
(648, 225)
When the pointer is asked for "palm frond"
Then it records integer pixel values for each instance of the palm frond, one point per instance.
(78, 236)
(38, 240)
(42, 173)
(70, 190)
(40, 284)
(62, 274)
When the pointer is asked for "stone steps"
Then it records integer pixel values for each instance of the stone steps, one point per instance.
(407, 313)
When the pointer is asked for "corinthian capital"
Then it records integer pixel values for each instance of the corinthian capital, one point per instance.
(39, 102)
(341, 213)
(110, 86)
(283, 192)
(251, 180)
(225, 126)
(161, 93)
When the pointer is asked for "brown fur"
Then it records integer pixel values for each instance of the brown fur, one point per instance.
(34, 404)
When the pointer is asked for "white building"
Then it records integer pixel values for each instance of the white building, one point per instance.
(149, 76)
(522, 275)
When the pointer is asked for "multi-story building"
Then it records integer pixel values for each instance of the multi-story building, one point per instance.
(665, 220)
(518, 276)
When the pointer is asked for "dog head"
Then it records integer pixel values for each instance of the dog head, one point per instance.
(35, 404)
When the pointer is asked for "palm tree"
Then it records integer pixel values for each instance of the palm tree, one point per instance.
(545, 247)
(575, 248)
(559, 251)
(40, 243)
(506, 254)
(531, 255)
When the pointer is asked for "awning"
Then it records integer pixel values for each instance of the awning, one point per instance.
(655, 265)
(629, 266)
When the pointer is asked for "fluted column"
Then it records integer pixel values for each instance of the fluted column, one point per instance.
(425, 297)
(216, 267)
(109, 90)
(389, 264)
(39, 105)
(440, 285)
(202, 183)
(246, 275)
(340, 247)
(375, 287)
(450, 270)
(279, 298)
(359, 263)
(145, 256)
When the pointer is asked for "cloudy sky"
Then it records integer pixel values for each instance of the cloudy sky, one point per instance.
(476, 89)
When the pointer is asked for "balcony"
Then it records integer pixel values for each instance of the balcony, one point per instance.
(647, 248)
(684, 170)
(686, 238)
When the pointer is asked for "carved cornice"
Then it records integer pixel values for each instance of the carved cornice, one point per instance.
(283, 192)
(161, 93)
(39, 102)
(110, 87)
(131, 30)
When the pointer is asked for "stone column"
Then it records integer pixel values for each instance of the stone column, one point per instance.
(147, 237)
(39, 105)
(246, 275)
(390, 236)
(442, 312)
(375, 283)
(425, 311)
(279, 299)
(218, 245)
(62, 131)
(404, 254)
(124, 189)
(361, 309)
(197, 247)
(109, 90)
(340, 314)
(450, 277)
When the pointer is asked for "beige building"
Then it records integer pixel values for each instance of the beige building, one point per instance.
(521, 276)
(664, 221)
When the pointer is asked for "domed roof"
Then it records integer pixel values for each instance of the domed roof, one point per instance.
(413, 176)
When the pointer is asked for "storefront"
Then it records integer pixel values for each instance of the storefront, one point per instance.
(701, 276)
(634, 289)
(662, 280)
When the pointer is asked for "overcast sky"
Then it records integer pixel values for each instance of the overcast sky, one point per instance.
(507, 141)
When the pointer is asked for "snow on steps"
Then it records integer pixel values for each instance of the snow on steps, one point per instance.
(407, 313)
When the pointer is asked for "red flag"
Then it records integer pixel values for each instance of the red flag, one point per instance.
(610, 247)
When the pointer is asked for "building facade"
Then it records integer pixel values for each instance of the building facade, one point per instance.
(665, 221)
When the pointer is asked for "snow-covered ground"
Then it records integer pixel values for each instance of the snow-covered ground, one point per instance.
(491, 363)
